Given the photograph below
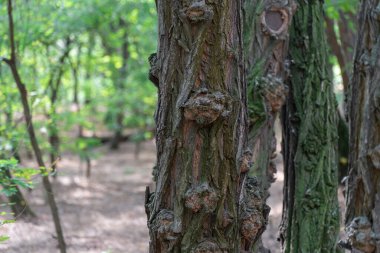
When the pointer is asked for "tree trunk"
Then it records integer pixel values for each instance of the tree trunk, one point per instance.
(198, 204)
(266, 26)
(19, 204)
(310, 221)
(12, 63)
(362, 217)
(54, 85)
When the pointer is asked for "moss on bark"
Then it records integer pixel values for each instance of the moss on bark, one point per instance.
(311, 216)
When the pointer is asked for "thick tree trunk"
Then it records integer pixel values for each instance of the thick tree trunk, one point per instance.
(198, 204)
(363, 186)
(310, 221)
(266, 26)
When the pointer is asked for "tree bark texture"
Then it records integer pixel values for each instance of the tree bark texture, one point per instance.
(310, 221)
(198, 204)
(362, 217)
(266, 34)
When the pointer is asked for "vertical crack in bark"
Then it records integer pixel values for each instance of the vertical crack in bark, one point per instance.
(363, 184)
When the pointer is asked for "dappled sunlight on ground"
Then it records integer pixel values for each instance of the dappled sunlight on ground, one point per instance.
(102, 214)
(106, 212)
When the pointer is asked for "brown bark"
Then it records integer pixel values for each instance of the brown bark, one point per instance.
(198, 204)
(362, 217)
(266, 37)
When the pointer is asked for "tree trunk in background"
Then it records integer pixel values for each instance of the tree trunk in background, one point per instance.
(120, 87)
(198, 205)
(119, 83)
(54, 85)
(266, 26)
(310, 221)
(19, 204)
(12, 63)
(342, 42)
(363, 187)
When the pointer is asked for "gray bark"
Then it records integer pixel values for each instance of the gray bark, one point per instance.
(266, 37)
(362, 217)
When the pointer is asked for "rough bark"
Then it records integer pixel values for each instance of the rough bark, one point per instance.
(362, 217)
(266, 26)
(198, 204)
(310, 221)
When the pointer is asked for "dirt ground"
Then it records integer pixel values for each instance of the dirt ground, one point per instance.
(105, 214)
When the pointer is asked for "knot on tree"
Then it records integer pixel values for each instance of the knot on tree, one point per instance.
(207, 246)
(245, 161)
(374, 157)
(251, 224)
(163, 224)
(254, 211)
(274, 92)
(198, 11)
(312, 200)
(201, 197)
(154, 69)
(364, 61)
(360, 235)
(204, 107)
(275, 22)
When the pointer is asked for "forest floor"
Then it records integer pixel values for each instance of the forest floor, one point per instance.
(105, 214)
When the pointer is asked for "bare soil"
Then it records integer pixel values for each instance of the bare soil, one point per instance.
(105, 214)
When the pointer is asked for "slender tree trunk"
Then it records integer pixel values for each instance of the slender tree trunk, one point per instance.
(120, 88)
(310, 221)
(19, 204)
(198, 204)
(266, 26)
(54, 85)
(12, 62)
(337, 50)
(362, 217)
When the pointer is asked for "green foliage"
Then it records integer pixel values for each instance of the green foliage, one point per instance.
(106, 83)
(12, 176)
(20, 176)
